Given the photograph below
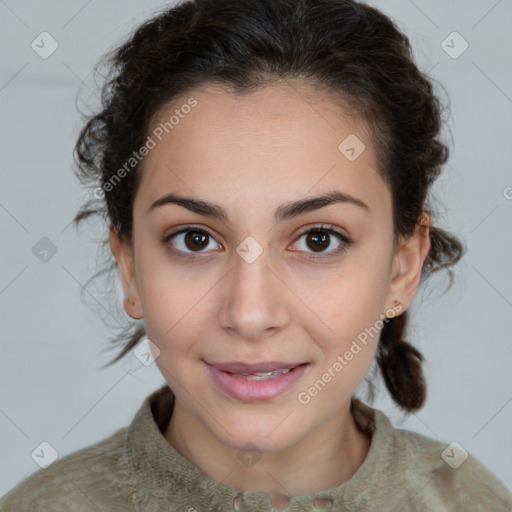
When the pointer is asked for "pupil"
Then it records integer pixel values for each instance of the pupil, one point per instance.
(318, 240)
(195, 240)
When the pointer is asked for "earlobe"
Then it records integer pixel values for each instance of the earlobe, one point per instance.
(125, 261)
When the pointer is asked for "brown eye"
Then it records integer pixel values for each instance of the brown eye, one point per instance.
(319, 239)
(195, 240)
(190, 240)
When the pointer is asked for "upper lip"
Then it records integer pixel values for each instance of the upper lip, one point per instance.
(245, 368)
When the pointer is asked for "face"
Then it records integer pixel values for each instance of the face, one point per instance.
(248, 277)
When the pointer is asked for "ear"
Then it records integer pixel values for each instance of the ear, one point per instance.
(124, 255)
(408, 263)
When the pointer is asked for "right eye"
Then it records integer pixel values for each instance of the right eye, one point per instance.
(190, 240)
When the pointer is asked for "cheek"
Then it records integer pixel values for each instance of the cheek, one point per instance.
(346, 303)
(170, 293)
(172, 320)
(174, 303)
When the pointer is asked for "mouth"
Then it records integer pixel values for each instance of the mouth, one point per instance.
(261, 375)
(255, 382)
(238, 368)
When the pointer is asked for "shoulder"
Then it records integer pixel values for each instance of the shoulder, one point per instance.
(82, 480)
(416, 472)
(442, 472)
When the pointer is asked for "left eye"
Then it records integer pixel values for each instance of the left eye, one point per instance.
(319, 239)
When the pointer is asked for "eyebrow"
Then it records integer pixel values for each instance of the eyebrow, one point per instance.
(284, 212)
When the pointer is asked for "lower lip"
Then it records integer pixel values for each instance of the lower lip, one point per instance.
(255, 390)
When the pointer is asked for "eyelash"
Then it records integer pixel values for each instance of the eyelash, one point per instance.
(323, 229)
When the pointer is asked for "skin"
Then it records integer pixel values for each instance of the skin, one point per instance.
(251, 154)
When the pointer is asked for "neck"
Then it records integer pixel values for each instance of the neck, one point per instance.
(325, 458)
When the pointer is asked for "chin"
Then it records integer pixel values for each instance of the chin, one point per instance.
(264, 437)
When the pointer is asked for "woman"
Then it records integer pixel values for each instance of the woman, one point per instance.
(264, 167)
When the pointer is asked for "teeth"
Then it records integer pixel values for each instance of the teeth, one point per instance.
(266, 375)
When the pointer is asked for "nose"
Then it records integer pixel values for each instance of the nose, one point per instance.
(254, 299)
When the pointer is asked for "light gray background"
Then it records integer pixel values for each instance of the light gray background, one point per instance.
(51, 387)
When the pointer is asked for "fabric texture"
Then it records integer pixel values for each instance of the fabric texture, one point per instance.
(136, 469)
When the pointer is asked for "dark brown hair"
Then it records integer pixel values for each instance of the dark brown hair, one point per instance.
(342, 47)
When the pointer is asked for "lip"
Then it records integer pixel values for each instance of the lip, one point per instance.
(228, 378)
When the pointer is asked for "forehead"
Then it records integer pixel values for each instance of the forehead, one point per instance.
(255, 147)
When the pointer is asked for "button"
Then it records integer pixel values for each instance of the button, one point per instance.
(237, 501)
(322, 502)
(280, 502)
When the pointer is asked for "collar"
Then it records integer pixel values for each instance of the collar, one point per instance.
(158, 468)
